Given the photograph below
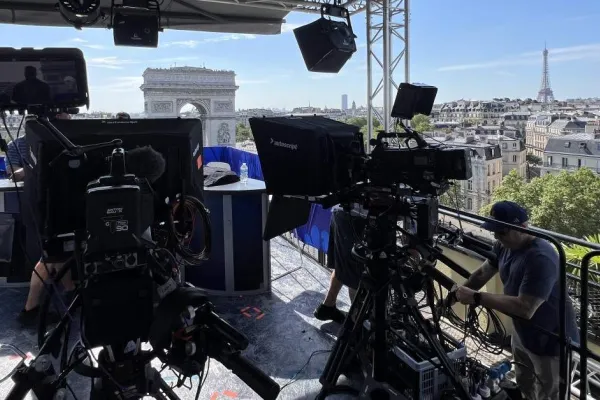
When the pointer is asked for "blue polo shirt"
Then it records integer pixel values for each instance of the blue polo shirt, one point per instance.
(16, 152)
(534, 271)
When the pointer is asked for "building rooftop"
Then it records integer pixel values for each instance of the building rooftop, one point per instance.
(582, 144)
(567, 124)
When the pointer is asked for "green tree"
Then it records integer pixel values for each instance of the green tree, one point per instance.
(421, 123)
(567, 202)
(532, 159)
(358, 121)
(575, 253)
(243, 133)
(454, 197)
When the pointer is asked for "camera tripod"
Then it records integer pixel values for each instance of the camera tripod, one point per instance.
(386, 268)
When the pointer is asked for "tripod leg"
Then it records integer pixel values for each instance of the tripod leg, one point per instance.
(351, 328)
(380, 363)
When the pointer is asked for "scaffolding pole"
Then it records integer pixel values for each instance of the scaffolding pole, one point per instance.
(387, 45)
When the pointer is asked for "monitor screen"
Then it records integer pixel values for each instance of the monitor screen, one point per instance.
(52, 78)
(59, 187)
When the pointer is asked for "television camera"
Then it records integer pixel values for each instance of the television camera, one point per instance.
(130, 289)
(395, 189)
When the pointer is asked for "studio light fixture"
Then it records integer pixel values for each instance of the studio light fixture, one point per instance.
(326, 45)
(136, 23)
(80, 13)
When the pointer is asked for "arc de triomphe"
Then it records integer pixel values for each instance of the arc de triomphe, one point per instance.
(212, 92)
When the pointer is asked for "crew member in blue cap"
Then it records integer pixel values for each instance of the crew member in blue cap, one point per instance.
(529, 269)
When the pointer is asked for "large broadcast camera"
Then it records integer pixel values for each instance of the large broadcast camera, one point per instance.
(396, 189)
(130, 289)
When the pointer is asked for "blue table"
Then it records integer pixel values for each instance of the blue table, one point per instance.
(240, 261)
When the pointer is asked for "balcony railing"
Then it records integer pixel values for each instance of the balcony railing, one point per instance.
(561, 167)
(585, 292)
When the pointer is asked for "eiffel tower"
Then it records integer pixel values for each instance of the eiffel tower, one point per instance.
(545, 95)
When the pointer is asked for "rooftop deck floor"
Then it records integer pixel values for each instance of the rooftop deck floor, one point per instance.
(281, 341)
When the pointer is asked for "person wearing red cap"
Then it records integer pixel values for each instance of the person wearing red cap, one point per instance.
(529, 270)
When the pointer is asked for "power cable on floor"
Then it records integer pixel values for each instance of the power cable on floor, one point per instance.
(297, 374)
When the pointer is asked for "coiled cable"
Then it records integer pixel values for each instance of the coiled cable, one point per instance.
(190, 209)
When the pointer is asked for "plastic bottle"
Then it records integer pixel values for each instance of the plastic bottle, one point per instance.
(244, 173)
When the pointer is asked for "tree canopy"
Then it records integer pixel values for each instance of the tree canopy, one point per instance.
(453, 198)
(243, 133)
(533, 159)
(421, 123)
(566, 203)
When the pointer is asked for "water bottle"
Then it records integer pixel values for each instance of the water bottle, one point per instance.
(244, 173)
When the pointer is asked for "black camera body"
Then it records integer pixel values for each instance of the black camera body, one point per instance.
(113, 215)
(115, 260)
(424, 169)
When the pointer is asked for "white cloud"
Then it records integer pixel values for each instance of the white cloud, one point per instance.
(108, 62)
(251, 81)
(183, 43)
(120, 84)
(232, 36)
(79, 42)
(505, 73)
(172, 60)
(563, 54)
(190, 44)
(317, 76)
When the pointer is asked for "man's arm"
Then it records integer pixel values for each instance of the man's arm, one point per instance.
(538, 281)
(481, 276)
(523, 306)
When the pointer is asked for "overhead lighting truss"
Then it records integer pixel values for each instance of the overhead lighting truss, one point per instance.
(305, 6)
(387, 48)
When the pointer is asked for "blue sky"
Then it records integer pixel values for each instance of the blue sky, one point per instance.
(468, 49)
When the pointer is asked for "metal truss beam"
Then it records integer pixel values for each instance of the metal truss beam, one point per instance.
(304, 6)
(387, 46)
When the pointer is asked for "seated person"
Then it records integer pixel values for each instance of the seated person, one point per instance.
(345, 231)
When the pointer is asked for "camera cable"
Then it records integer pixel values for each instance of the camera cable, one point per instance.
(296, 376)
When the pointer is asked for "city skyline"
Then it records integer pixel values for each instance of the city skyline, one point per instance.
(475, 55)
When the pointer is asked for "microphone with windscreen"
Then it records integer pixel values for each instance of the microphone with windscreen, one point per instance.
(145, 163)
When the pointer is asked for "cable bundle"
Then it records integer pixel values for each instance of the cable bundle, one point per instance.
(187, 212)
(471, 326)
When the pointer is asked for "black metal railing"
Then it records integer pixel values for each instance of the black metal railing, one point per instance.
(585, 294)
(566, 346)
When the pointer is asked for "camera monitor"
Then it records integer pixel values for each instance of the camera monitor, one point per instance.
(413, 99)
(307, 156)
(52, 78)
(59, 187)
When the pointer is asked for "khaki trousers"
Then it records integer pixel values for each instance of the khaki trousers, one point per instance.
(543, 387)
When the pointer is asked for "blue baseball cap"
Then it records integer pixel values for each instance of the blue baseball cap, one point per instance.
(508, 212)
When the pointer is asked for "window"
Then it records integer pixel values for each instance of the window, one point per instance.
(469, 203)
(469, 185)
(565, 162)
(504, 145)
(549, 161)
(488, 189)
(579, 163)
(514, 145)
(514, 158)
(488, 169)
